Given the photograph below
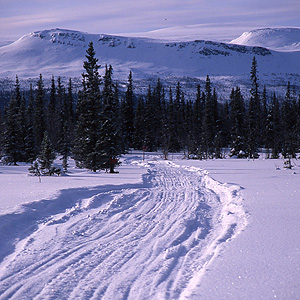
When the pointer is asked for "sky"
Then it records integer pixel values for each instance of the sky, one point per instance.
(215, 19)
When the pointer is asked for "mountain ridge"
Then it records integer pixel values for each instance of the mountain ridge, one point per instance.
(61, 52)
(278, 39)
(65, 49)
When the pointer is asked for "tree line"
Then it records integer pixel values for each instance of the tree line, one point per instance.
(103, 124)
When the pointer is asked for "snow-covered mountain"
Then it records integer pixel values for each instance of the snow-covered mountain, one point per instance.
(279, 39)
(61, 52)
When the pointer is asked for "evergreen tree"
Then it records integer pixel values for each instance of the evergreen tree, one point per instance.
(65, 131)
(39, 121)
(149, 141)
(87, 140)
(218, 138)
(273, 129)
(209, 129)
(53, 115)
(254, 114)
(52, 100)
(11, 139)
(198, 115)
(139, 126)
(225, 124)
(110, 142)
(128, 112)
(263, 116)
(44, 163)
(157, 112)
(174, 138)
(30, 153)
(1, 131)
(189, 129)
(22, 127)
(46, 156)
(14, 134)
(60, 94)
(70, 100)
(298, 120)
(237, 119)
(165, 132)
(289, 122)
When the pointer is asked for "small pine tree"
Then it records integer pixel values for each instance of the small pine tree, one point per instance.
(44, 163)
(46, 156)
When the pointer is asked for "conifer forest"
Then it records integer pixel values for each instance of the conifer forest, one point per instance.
(98, 124)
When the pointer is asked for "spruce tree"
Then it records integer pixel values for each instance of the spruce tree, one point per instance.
(273, 129)
(110, 140)
(158, 99)
(237, 119)
(65, 131)
(174, 139)
(289, 122)
(39, 115)
(149, 141)
(14, 134)
(44, 163)
(46, 156)
(70, 100)
(30, 153)
(198, 112)
(254, 114)
(139, 131)
(53, 114)
(86, 145)
(128, 112)
(165, 136)
(209, 128)
(263, 116)
(11, 139)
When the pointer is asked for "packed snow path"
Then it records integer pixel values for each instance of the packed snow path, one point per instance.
(147, 241)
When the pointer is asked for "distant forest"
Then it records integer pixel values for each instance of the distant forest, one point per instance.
(98, 124)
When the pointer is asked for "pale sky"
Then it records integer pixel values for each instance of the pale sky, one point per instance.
(217, 18)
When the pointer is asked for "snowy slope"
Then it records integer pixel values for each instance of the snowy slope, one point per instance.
(158, 230)
(149, 240)
(186, 33)
(62, 52)
(280, 39)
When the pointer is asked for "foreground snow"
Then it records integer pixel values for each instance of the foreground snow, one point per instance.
(157, 230)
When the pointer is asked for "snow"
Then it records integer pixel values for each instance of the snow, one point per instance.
(263, 262)
(186, 33)
(62, 52)
(278, 39)
(177, 229)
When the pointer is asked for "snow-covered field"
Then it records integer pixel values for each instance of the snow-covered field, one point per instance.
(157, 230)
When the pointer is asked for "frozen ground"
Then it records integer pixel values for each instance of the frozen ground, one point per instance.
(157, 230)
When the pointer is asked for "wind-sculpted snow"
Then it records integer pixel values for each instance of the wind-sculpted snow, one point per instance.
(152, 240)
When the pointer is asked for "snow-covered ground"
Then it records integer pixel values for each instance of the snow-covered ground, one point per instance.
(278, 39)
(157, 230)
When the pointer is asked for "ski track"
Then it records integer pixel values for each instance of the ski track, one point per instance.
(147, 241)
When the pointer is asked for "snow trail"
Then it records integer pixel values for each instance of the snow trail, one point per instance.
(147, 241)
